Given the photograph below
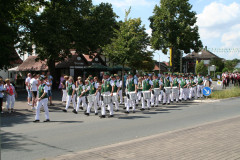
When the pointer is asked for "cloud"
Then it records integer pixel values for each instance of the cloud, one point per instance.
(127, 3)
(221, 23)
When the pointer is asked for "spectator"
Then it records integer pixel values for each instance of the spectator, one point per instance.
(34, 87)
(10, 95)
(2, 89)
(28, 86)
(49, 85)
(64, 84)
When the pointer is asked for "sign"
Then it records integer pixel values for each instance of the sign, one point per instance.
(212, 68)
(218, 77)
(207, 91)
(219, 83)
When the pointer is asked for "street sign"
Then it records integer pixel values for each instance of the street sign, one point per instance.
(207, 91)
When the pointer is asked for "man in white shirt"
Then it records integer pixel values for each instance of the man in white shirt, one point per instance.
(34, 88)
(28, 88)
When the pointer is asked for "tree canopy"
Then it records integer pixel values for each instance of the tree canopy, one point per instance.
(129, 45)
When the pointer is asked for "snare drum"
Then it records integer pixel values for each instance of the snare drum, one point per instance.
(114, 97)
(175, 90)
(91, 98)
(157, 91)
(107, 99)
(132, 95)
(146, 94)
(168, 90)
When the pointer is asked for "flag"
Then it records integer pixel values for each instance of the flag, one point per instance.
(170, 56)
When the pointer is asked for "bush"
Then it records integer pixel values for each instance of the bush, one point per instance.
(201, 68)
(228, 93)
(225, 70)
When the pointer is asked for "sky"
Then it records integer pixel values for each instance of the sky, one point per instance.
(218, 22)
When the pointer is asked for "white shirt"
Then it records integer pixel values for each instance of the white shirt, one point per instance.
(28, 79)
(34, 84)
(1, 89)
(112, 83)
(48, 85)
(135, 81)
(150, 82)
(120, 82)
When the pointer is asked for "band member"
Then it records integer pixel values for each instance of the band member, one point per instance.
(42, 100)
(175, 89)
(131, 87)
(155, 95)
(93, 91)
(81, 97)
(71, 96)
(139, 89)
(115, 89)
(147, 86)
(106, 94)
(207, 82)
(183, 85)
(63, 84)
(161, 89)
(200, 86)
(188, 87)
(120, 88)
(10, 95)
(166, 90)
(192, 87)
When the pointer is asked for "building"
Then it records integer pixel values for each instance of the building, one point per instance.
(189, 61)
(163, 67)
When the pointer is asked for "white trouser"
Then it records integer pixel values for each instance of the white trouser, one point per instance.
(93, 103)
(121, 97)
(148, 103)
(161, 95)
(192, 92)
(69, 100)
(166, 97)
(116, 104)
(187, 92)
(154, 99)
(110, 106)
(98, 99)
(64, 96)
(83, 100)
(43, 103)
(175, 95)
(10, 100)
(183, 94)
(200, 91)
(130, 103)
(125, 101)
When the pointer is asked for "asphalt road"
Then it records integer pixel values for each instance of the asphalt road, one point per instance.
(67, 132)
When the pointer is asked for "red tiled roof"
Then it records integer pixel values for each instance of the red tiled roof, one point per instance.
(30, 64)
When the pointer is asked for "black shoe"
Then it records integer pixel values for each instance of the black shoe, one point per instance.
(96, 114)
(102, 116)
(142, 109)
(87, 114)
(148, 108)
(110, 116)
(99, 108)
(164, 104)
(156, 106)
(130, 107)
(168, 104)
(36, 121)
(74, 111)
(177, 101)
(136, 104)
(126, 112)
(64, 110)
(108, 111)
(124, 107)
(81, 108)
(47, 120)
(116, 110)
(133, 111)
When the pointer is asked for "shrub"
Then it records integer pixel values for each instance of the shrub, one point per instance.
(228, 93)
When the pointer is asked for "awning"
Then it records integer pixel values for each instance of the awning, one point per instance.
(98, 67)
(14, 69)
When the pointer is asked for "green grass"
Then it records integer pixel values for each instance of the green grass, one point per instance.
(227, 93)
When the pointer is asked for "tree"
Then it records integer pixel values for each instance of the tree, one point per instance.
(230, 64)
(14, 14)
(174, 26)
(129, 45)
(65, 25)
(218, 63)
(201, 68)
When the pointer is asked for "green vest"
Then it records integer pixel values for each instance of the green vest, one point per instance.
(69, 89)
(92, 89)
(140, 86)
(146, 85)
(166, 82)
(80, 90)
(156, 83)
(192, 83)
(175, 82)
(107, 86)
(115, 87)
(200, 80)
(41, 91)
(183, 83)
(86, 93)
(102, 88)
(131, 86)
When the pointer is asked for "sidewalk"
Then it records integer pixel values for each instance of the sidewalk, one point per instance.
(214, 141)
